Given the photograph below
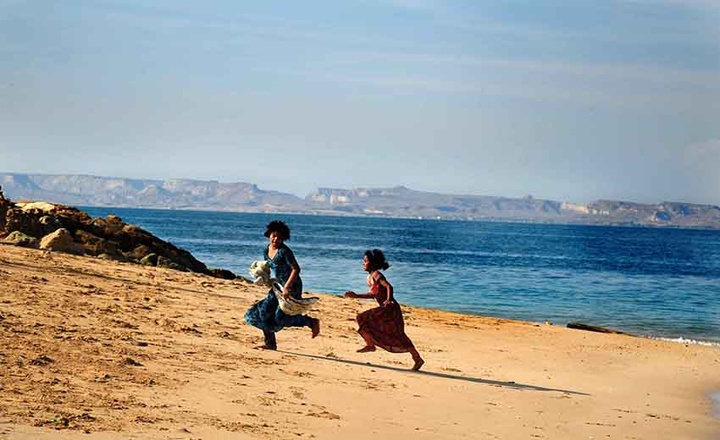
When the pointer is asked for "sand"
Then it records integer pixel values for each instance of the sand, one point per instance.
(94, 349)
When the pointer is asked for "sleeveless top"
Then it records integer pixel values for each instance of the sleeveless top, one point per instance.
(373, 282)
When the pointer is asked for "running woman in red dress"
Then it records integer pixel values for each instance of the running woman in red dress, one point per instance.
(382, 326)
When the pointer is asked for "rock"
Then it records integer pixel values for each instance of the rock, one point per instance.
(593, 328)
(26, 222)
(222, 273)
(17, 238)
(95, 245)
(61, 241)
(49, 224)
(138, 253)
(170, 264)
(112, 257)
(5, 205)
(42, 206)
(100, 236)
(149, 260)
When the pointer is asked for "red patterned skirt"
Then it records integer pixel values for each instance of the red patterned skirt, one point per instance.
(385, 327)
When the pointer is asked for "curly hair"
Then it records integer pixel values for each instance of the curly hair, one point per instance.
(376, 257)
(280, 227)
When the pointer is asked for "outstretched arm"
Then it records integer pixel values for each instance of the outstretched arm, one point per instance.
(351, 294)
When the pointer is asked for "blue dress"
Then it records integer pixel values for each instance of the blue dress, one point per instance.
(265, 314)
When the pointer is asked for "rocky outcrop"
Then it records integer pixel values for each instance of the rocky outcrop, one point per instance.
(66, 229)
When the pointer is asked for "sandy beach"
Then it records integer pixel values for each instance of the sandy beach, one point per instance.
(95, 349)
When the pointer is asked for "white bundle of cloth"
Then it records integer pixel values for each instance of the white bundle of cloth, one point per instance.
(260, 270)
(293, 306)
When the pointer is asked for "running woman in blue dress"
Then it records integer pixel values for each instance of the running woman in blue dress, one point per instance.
(266, 314)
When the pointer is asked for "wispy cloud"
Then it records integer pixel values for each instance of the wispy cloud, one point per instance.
(624, 71)
(711, 4)
(709, 147)
(416, 5)
(537, 91)
(237, 24)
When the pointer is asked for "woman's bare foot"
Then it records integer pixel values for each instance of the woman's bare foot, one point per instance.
(366, 349)
(315, 327)
(418, 363)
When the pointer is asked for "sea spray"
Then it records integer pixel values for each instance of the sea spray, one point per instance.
(716, 400)
(689, 341)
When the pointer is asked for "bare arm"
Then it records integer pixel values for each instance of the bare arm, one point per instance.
(351, 294)
(294, 273)
(388, 288)
(384, 284)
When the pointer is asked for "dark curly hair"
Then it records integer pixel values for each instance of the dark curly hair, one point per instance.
(280, 227)
(376, 257)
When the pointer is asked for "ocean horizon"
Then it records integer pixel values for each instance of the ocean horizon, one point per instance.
(652, 282)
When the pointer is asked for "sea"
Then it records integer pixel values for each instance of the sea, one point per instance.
(654, 282)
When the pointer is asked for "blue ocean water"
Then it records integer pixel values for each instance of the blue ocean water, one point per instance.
(647, 281)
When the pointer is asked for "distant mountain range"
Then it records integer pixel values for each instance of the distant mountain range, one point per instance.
(82, 190)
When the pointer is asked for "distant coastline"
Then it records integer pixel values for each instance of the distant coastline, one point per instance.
(395, 202)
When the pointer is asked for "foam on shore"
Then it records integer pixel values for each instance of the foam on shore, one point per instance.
(682, 340)
(716, 400)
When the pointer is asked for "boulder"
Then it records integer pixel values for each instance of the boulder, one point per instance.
(95, 245)
(61, 241)
(138, 253)
(222, 273)
(42, 206)
(112, 257)
(17, 238)
(26, 222)
(170, 264)
(49, 224)
(149, 260)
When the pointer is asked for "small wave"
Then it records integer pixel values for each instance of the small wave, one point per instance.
(682, 340)
(716, 399)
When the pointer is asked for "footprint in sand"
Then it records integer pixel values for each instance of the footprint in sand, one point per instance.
(324, 415)
(298, 392)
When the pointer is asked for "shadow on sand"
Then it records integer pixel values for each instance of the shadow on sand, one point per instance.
(496, 383)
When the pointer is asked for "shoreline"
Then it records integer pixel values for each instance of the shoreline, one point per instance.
(674, 321)
(681, 340)
(108, 350)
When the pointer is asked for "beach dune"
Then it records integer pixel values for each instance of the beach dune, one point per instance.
(95, 349)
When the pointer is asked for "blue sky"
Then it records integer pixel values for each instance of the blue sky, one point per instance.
(574, 101)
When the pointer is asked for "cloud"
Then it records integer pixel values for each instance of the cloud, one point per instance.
(416, 5)
(625, 70)
(608, 85)
(705, 149)
(710, 4)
